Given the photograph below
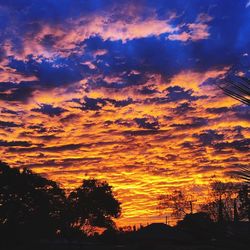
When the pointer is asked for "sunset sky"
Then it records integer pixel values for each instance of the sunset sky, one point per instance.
(124, 91)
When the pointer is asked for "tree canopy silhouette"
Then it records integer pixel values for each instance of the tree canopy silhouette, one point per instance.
(30, 205)
(94, 205)
(228, 202)
(33, 207)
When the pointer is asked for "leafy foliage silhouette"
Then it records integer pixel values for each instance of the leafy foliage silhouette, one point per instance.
(30, 205)
(33, 207)
(93, 205)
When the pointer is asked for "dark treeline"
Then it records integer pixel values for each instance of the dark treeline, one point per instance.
(226, 202)
(33, 208)
(36, 213)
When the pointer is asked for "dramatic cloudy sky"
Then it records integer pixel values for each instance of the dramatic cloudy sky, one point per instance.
(124, 91)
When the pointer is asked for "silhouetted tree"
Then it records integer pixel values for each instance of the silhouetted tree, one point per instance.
(31, 206)
(178, 202)
(93, 205)
(228, 202)
(244, 200)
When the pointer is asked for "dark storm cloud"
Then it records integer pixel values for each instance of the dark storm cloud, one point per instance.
(48, 137)
(232, 159)
(136, 55)
(63, 147)
(208, 137)
(146, 124)
(38, 128)
(49, 110)
(60, 148)
(14, 143)
(237, 131)
(207, 168)
(121, 103)
(4, 124)
(143, 132)
(90, 103)
(240, 145)
(126, 80)
(177, 93)
(186, 144)
(242, 112)
(63, 162)
(108, 123)
(147, 91)
(59, 72)
(244, 116)
(68, 118)
(183, 108)
(17, 92)
(8, 111)
(217, 110)
(98, 103)
(196, 123)
(171, 157)
(125, 123)
(48, 41)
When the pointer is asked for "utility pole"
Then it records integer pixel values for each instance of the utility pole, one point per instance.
(191, 205)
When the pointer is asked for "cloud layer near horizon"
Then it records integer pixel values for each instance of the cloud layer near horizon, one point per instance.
(125, 92)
